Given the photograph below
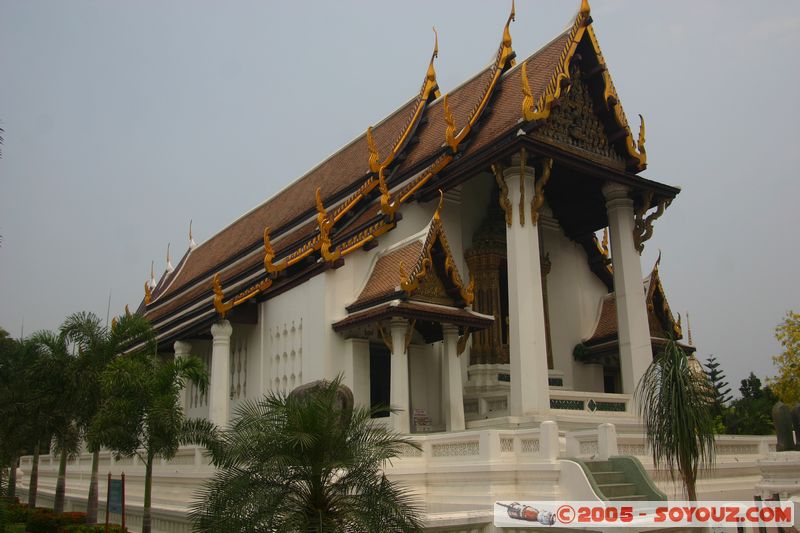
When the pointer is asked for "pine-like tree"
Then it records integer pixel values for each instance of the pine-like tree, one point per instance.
(722, 392)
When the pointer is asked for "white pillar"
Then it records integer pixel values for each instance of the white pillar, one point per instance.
(219, 388)
(452, 386)
(183, 349)
(398, 392)
(635, 351)
(356, 370)
(527, 338)
(606, 441)
(549, 446)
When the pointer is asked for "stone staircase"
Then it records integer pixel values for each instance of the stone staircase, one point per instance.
(621, 478)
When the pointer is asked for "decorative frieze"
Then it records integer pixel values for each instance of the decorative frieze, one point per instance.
(286, 349)
(456, 449)
(530, 445)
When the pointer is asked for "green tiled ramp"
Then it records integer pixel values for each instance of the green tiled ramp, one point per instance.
(622, 477)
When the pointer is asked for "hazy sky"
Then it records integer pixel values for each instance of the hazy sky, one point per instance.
(126, 119)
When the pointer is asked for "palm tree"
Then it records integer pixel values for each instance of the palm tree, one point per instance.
(97, 347)
(17, 430)
(51, 392)
(303, 463)
(141, 413)
(55, 378)
(676, 406)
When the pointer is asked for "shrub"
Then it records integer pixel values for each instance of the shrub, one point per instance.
(46, 521)
(17, 513)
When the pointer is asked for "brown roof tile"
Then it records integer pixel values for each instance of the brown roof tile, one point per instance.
(385, 276)
(338, 172)
(346, 169)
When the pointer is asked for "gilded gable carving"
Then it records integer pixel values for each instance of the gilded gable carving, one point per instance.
(574, 126)
(431, 289)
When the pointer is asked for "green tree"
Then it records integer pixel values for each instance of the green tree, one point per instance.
(141, 413)
(722, 392)
(298, 463)
(50, 396)
(53, 377)
(16, 427)
(675, 404)
(97, 347)
(786, 384)
(752, 413)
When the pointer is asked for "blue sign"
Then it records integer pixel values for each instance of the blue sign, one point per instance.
(115, 496)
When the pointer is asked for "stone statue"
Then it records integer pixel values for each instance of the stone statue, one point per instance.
(782, 418)
(344, 396)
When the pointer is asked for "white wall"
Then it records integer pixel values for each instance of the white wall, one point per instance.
(245, 364)
(195, 402)
(425, 377)
(574, 293)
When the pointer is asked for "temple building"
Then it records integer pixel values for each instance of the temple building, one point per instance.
(473, 260)
(446, 262)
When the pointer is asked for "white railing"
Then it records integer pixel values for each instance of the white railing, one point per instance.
(485, 446)
(587, 443)
(578, 402)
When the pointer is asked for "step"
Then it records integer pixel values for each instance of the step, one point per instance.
(617, 489)
(599, 466)
(615, 476)
(633, 497)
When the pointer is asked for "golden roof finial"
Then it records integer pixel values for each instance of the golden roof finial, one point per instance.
(469, 291)
(269, 253)
(318, 201)
(387, 206)
(689, 330)
(604, 244)
(404, 279)
(450, 132)
(221, 307)
(374, 165)
(170, 268)
(148, 294)
(325, 225)
(506, 30)
(585, 8)
(658, 261)
(127, 311)
(640, 142)
(437, 215)
(527, 98)
(192, 244)
(431, 75)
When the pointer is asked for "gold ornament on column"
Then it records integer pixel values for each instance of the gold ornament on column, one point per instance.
(505, 203)
(538, 195)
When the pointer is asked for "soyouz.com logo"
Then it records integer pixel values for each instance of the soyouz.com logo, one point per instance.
(638, 514)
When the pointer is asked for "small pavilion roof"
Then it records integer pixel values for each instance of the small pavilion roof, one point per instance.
(660, 319)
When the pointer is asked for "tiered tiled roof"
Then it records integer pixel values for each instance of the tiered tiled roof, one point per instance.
(351, 198)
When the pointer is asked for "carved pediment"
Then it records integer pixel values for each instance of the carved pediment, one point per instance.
(432, 289)
(574, 126)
